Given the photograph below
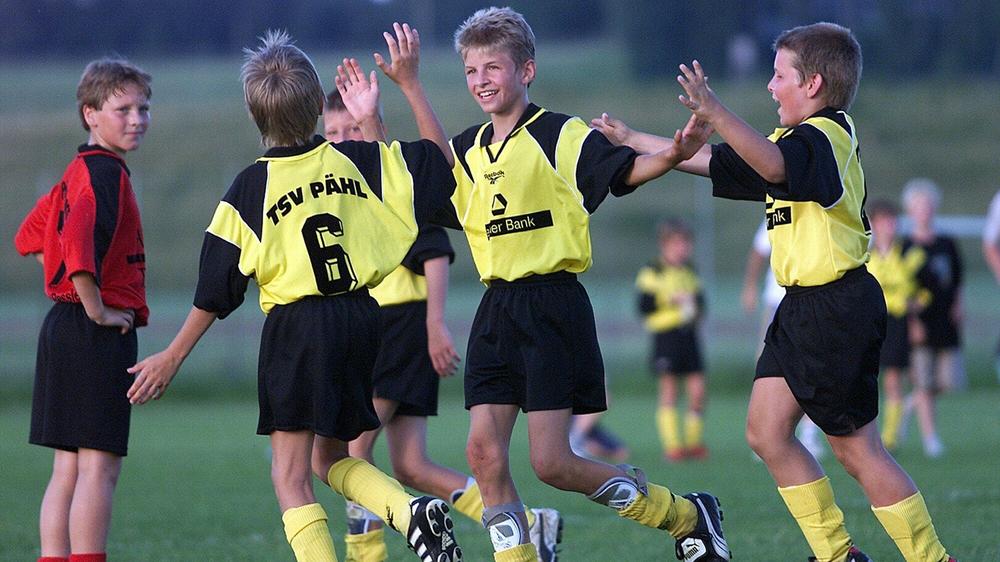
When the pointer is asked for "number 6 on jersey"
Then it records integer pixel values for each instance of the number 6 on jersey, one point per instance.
(330, 263)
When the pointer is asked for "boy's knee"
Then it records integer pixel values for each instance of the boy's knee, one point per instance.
(485, 456)
(549, 469)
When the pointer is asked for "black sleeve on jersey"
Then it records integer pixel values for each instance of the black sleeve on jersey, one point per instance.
(647, 304)
(221, 285)
(811, 170)
(602, 169)
(732, 177)
(432, 242)
(368, 159)
(957, 268)
(246, 195)
(433, 182)
(461, 144)
(106, 183)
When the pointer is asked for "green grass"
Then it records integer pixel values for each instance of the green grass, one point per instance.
(195, 485)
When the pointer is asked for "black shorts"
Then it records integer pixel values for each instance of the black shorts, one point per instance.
(80, 383)
(533, 343)
(896, 348)
(941, 330)
(825, 342)
(676, 352)
(315, 367)
(404, 371)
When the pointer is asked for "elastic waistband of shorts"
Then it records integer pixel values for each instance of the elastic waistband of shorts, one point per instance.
(849, 277)
(543, 279)
(362, 292)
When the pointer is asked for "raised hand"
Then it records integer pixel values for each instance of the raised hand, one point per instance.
(404, 55)
(693, 137)
(700, 99)
(360, 93)
(617, 132)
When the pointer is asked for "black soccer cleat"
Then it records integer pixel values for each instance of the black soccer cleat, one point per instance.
(431, 534)
(853, 555)
(706, 543)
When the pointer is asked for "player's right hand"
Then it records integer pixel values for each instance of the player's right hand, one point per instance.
(152, 377)
(615, 130)
(404, 54)
(116, 318)
(359, 92)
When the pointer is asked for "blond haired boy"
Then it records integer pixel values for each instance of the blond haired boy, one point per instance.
(314, 225)
(527, 182)
(821, 351)
(88, 235)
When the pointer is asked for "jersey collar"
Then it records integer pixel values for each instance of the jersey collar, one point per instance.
(96, 149)
(286, 151)
(531, 113)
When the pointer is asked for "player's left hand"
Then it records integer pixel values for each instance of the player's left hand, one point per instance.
(616, 131)
(700, 99)
(404, 55)
(442, 349)
(359, 92)
(693, 137)
(152, 377)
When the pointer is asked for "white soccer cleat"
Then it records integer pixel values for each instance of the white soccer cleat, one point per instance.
(546, 533)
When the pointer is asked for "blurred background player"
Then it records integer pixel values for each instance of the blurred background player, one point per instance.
(757, 261)
(672, 304)
(416, 349)
(991, 252)
(313, 251)
(896, 274)
(87, 234)
(935, 332)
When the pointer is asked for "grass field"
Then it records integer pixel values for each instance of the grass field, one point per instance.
(195, 486)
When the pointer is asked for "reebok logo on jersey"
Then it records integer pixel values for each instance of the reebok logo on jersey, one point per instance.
(492, 177)
(519, 223)
(779, 216)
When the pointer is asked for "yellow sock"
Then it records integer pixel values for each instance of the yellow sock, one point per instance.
(666, 424)
(820, 519)
(369, 487)
(663, 510)
(909, 525)
(366, 547)
(693, 429)
(308, 534)
(520, 553)
(890, 425)
(470, 504)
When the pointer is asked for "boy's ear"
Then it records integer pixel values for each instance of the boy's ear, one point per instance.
(814, 84)
(88, 115)
(528, 72)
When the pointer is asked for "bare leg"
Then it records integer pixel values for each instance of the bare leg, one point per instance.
(53, 520)
(695, 387)
(553, 460)
(90, 513)
(771, 420)
(867, 461)
(364, 445)
(290, 472)
(407, 437)
(488, 451)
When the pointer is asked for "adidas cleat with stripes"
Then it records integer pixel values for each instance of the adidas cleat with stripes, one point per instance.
(546, 533)
(431, 534)
(706, 543)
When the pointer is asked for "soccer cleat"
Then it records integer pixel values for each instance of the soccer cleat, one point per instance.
(675, 455)
(697, 453)
(546, 533)
(431, 534)
(706, 542)
(853, 555)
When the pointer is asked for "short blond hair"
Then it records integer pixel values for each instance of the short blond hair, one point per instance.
(831, 51)
(500, 29)
(106, 77)
(282, 91)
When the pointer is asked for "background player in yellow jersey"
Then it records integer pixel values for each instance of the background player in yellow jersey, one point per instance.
(416, 350)
(821, 352)
(896, 272)
(314, 225)
(529, 180)
(672, 303)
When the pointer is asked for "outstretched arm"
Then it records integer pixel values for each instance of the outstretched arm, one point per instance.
(154, 373)
(751, 279)
(684, 145)
(618, 133)
(761, 154)
(403, 68)
(361, 98)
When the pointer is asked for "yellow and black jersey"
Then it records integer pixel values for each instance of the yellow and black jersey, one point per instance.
(896, 272)
(670, 296)
(815, 219)
(320, 219)
(406, 283)
(525, 202)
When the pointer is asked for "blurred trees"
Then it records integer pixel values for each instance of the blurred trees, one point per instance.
(899, 37)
